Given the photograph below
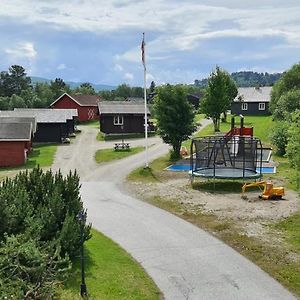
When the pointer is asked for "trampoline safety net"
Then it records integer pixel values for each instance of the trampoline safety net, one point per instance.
(226, 157)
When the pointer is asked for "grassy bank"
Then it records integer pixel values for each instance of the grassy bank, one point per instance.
(111, 273)
(105, 155)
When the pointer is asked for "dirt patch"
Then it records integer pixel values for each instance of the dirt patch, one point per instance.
(252, 215)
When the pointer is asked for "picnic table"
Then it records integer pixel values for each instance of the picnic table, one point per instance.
(122, 146)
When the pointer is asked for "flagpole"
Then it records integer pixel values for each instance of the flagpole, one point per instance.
(145, 101)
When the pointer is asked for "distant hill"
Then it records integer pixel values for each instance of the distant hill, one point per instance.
(73, 85)
(248, 78)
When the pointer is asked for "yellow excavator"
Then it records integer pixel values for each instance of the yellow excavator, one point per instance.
(269, 192)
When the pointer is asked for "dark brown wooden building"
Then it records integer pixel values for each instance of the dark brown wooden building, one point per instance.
(70, 114)
(51, 125)
(122, 117)
(252, 101)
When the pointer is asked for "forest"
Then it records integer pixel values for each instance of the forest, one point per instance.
(248, 79)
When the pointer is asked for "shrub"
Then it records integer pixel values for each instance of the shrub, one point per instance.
(39, 231)
(279, 137)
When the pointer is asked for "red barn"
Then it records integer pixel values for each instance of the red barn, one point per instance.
(86, 105)
(14, 141)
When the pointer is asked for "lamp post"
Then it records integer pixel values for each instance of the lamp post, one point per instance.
(81, 218)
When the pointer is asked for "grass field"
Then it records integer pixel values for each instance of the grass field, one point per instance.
(262, 128)
(111, 273)
(151, 174)
(91, 123)
(105, 155)
(42, 155)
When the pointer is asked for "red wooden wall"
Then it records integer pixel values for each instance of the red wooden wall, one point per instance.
(85, 113)
(12, 154)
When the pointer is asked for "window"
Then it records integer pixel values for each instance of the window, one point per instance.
(118, 120)
(244, 106)
(261, 106)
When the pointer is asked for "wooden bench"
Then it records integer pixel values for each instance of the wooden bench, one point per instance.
(122, 146)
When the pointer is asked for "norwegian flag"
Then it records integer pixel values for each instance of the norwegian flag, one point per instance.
(143, 51)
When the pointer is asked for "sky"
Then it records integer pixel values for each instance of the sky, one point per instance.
(100, 41)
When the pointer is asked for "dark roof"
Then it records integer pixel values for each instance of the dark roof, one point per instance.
(135, 99)
(82, 100)
(31, 120)
(254, 94)
(42, 116)
(15, 132)
(69, 112)
(122, 107)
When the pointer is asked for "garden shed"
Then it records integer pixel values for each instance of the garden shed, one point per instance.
(14, 141)
(117, 117)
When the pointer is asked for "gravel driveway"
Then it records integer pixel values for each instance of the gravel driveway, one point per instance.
(183, 260)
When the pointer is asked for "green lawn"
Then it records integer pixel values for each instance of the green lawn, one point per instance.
(262, 128)
(199, 117)
(105, 155)
(111, 273)
(151, 174)
(100, 136)
(42, 155)
(91, 123)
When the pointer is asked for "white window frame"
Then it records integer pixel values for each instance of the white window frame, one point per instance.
(118, 120)
(261, 106)
(244, 106)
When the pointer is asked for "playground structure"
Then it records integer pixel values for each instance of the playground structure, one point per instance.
(235, 155)
(269, 191)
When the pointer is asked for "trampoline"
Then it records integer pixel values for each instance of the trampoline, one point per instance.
(225, 173)
(226, 157)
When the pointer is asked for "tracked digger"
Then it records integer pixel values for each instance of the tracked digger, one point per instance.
(269, 192)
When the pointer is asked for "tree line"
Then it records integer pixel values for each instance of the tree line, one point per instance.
(285, 108)
(17, 90)
(248, 79)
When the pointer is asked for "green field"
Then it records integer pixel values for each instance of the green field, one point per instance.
(91, 123)
(42, 155)
(106, 155)
(111, 273)
(262, 126)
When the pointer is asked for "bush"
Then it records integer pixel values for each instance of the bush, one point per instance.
(39, 231)
(279, 137)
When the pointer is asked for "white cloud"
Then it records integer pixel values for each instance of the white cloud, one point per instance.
(22, 50)
(118, 68)
(128, 76)
(171, 26)
(61, 67)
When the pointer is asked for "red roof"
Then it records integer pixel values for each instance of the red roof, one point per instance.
(82, 100)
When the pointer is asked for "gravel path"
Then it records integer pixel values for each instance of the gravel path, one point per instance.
(183, 260)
